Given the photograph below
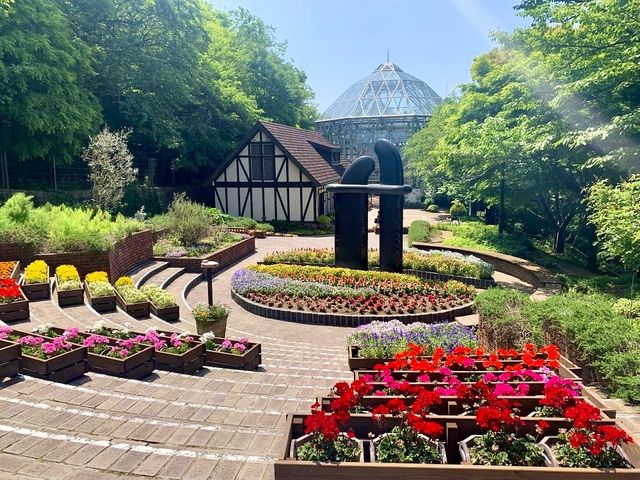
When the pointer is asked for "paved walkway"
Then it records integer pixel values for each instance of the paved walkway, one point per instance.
(221, 424)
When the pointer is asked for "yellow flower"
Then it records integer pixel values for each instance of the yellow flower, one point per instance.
(97, 277)
(124, 281)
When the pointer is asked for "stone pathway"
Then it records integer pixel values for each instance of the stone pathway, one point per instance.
(221, 424)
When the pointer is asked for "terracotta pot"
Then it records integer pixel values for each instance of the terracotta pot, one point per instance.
(465, 456)
(438, 445)
(218, 326)
(296, 443)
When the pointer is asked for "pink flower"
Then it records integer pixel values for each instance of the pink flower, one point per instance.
(489, 377)
(5, 332)
(226, 344)
(244, 340)
(31, 341)
(240, 347)
(505, 377)
(49, 348)
(445, 371)
(468, 363)
(71, 332)
(93, 340)
(504, 389)
(523, 389)
(159, 344)
(424, 378)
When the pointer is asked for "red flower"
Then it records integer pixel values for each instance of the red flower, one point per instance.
(578, 439)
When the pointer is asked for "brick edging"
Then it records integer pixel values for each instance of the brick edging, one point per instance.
(345, 320)
(225, 257)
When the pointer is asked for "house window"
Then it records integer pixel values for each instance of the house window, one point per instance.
(335, 158)
(263, 162)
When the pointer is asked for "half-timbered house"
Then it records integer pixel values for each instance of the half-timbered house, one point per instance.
(279, 173)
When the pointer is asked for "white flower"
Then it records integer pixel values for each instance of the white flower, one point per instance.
(99, 325)
(208, 336)
(42, 329)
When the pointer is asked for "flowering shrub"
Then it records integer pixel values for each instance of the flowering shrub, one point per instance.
(97, 277)
(36, 272)
(176, 344)
(9, 291)
(342, 290)
(68, 278)
(227, 345)
(38, 347)
(159, 297)
(6, 269)
(385, 339)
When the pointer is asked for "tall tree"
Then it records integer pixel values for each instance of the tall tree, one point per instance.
(46, 107)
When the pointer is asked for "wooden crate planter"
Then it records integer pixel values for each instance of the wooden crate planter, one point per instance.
(249, 360)
(457, 428)
(136, 310)
(169, 314)
(15, 311)
(188, 363)
(9, 359)
(67, 298)
(100, 304)
(61, 368)
(36, 291)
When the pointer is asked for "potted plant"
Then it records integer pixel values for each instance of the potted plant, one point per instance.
(224, 352)
(99, 291)
(590, 448)
(162, 303)
(130, 299)
(68, 287)
(211, 318)
(13, 304)
(175, 352)
(35, 282)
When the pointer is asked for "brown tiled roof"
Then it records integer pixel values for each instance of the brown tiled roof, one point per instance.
(298, 143)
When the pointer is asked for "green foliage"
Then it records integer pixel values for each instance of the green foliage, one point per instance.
(319, 449)
(501, 448)
(404, 445)
(433, 208)
(47, 107)
(457, 209)
(100, 289)
(217, 217)
(60, 228)
(171, 246)
(627, 307)
(264, 227)
(419, 231)
(581, 457)
(324, 220)
(484, 237)
(241, 222)
(189, 221)
(159, 297)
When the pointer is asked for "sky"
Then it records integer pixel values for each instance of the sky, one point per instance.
(337, 42)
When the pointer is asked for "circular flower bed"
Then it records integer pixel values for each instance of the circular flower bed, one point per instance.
(339, 291)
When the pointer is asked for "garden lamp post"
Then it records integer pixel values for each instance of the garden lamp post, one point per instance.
(208, 266)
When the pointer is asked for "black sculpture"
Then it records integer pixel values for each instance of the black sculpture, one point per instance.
(351, 196)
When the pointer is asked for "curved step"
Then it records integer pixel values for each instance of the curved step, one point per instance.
(161, 276)
(140, 273)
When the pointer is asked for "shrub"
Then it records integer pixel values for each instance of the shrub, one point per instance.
(100, 289)
(18, 208)
(217, 217)
(97, 277)
(627, 307)
(419, 231)
(124, 281)
(36, 272)
(433, 208)
(324, 220)
(484, 237)
(189, 221)
(264, 227)
(457, 209)
(314, 256)
(159, 297)
(241, 222)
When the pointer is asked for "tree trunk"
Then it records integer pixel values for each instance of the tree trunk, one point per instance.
(591, 249)
(559, 240)
(502, 188)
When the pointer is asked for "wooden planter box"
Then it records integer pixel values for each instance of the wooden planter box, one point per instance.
(249, 360)
(188, 363)
(457, 428)
(36, 291)
(67, 298)
(136, 310)
(61, 368)
(9, 359)
(169, 314)
(100, 304)
(15, 311)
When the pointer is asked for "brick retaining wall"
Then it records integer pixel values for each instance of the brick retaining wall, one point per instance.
(126, 254)
(225, 257)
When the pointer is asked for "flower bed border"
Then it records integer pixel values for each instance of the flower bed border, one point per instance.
(9, 359)
(135, 310)
(456, 429)
(100, 304)
(37, 291)
(249, 360)
(15, 311)
(346, 320)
